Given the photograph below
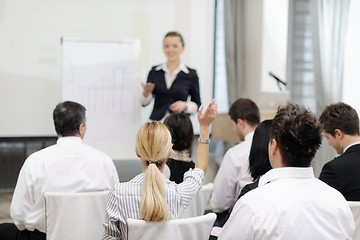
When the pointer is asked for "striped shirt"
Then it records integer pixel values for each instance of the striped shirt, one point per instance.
(124, 201)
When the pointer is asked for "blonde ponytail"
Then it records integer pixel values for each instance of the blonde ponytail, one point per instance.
(153, 206)
(153, 145)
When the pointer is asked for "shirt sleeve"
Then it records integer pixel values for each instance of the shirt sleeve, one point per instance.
(195, 91)
(225, 182)
(241, 223)
(145, 100)
(112, 222)
(193, 181)
(191, 107)
(23, 198)
(111, 172)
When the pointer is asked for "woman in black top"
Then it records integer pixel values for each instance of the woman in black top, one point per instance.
(171, 83)
(182, 134)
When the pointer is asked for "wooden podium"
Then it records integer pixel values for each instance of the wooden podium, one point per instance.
(222, 130)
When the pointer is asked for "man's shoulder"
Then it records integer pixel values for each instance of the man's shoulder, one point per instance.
(91, 150)
(240, 149)
(42, 152)
(344, 159)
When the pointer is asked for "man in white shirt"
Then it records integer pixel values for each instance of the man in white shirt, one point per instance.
(234, 169)
(68, 166)
(290, 203)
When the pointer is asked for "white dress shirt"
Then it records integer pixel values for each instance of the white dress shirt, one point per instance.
(124, 201)
(290, 204)
(233, 170)
(169, 79)
(68, 166)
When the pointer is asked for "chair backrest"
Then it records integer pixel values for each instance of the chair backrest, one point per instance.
(75, 215)
(355, 209)
(198, 228)
(198, 203)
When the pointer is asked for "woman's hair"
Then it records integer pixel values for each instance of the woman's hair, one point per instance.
(181, 129)
(153, 146)
(175, 34)
(259, 162)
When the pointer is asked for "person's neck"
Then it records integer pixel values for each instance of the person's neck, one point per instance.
(173, 65)
(350, 139)
(248, 129)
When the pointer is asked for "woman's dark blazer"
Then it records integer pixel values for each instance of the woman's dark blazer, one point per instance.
(184, 85)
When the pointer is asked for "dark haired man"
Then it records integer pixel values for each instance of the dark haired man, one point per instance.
(244, 118)
(290, 203)
(340, 123)
(68, 166)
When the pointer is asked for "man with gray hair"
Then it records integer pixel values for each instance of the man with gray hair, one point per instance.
(68, 166)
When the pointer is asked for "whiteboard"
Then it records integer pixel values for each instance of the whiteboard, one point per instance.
(103, 77)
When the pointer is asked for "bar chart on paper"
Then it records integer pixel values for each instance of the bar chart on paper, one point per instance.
(102, 91)
(102, 75)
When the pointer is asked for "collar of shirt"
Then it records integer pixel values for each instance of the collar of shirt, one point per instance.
(352, 144)
(170, 77)
(181, 67)
(140, 178)
(249, 136)
(286, 172)
(69, 140)
(181, 155)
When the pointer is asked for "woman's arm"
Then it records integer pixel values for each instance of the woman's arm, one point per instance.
(205, 120)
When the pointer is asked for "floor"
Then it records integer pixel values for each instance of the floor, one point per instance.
(5, 200)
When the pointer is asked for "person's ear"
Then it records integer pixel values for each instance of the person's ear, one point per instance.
(82, 130)
(339, 134)
(273, 147)
(240, 122)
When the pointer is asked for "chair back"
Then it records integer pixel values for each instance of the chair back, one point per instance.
(75, 215)
(355, 209)
(197, 205)
(198, 228)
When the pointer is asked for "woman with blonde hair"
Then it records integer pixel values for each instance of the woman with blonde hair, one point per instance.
(149, 195)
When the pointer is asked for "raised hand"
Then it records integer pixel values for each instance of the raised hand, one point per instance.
(205, 119)
(148, 88)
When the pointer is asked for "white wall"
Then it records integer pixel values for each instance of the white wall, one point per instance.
(274, 43)
(30, 59)
(253, 46)
(265, 48)
(352, 58)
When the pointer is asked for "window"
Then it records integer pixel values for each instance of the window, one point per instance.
(220, 81)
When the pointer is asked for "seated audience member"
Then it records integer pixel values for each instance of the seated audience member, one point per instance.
(340, 123)
(259, 162)
(290, 203)
(68, 166)
(182, 133)
(150, 196)
(244, 118)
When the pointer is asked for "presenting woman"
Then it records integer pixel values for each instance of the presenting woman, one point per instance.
(171, 83)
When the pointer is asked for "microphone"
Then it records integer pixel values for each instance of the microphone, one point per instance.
(278, 80)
